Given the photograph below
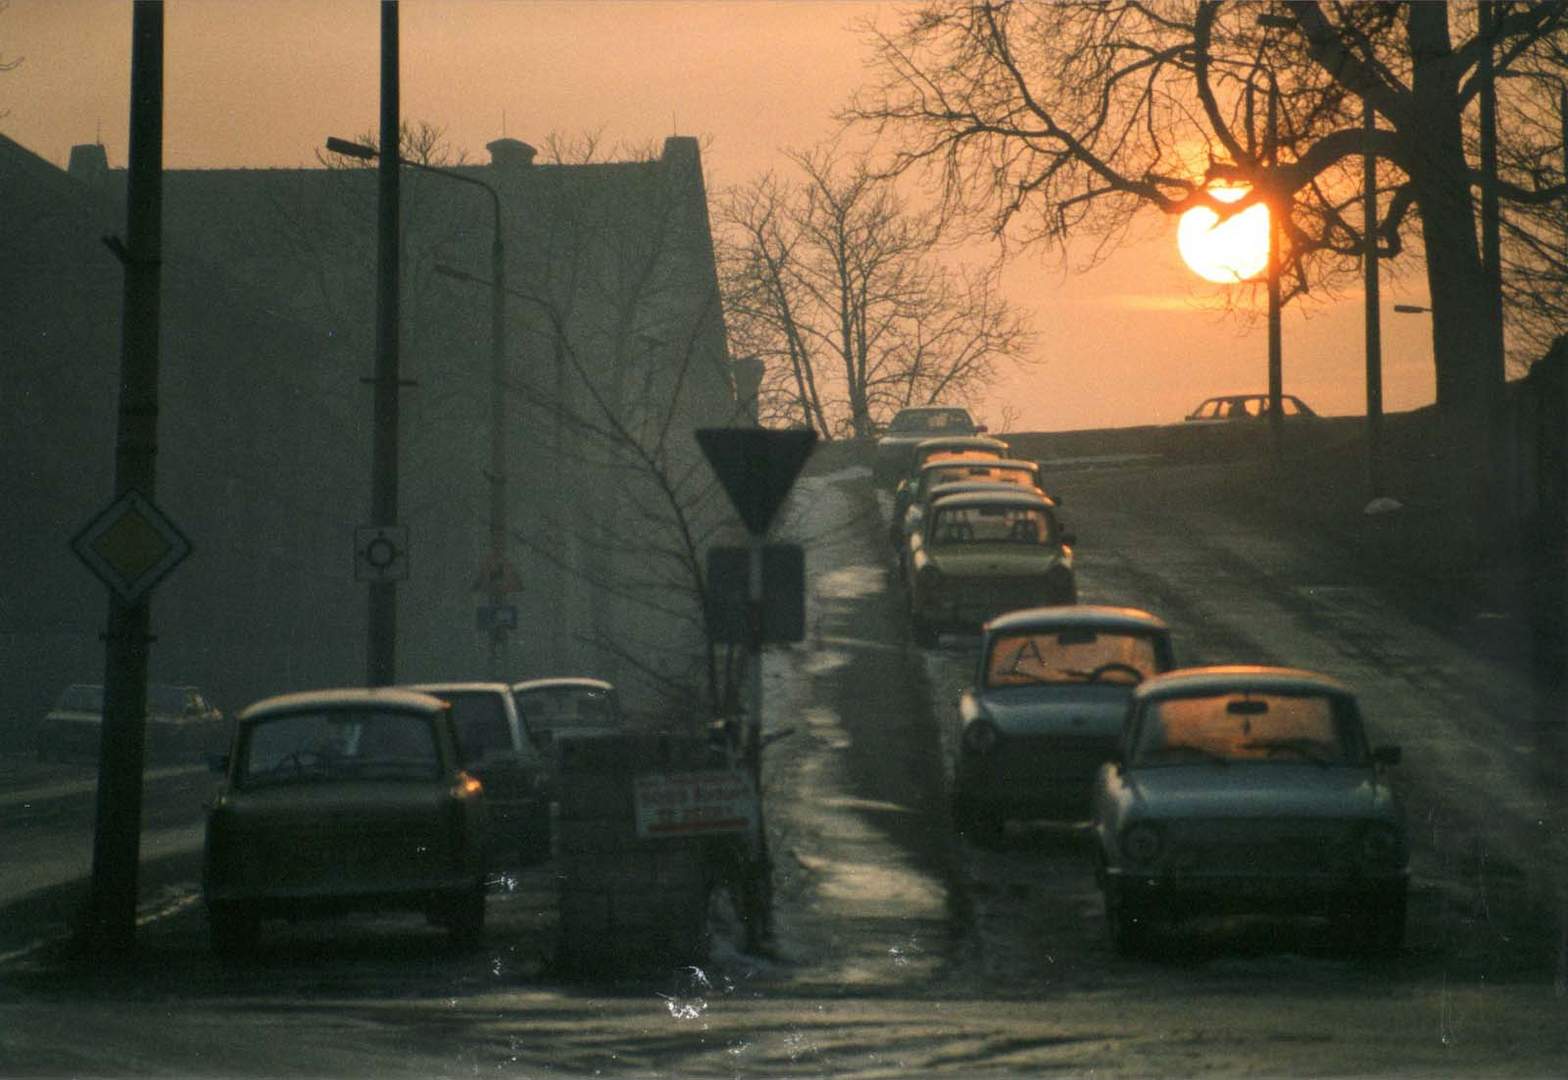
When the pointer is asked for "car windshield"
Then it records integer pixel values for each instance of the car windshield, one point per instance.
(991, 525)
(1071, 656)
(338, 744)
(1251, 726)
(931, 420)
(547, 710)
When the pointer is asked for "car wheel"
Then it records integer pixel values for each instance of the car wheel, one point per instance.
(983, 828)
(1130, 927)
(235, 929)
(1376, 925)
(465, 916)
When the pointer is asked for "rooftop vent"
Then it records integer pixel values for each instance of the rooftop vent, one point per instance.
(509, 154)
(89, 163)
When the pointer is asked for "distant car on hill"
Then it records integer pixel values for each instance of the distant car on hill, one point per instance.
(914, 425)
(1229, 407)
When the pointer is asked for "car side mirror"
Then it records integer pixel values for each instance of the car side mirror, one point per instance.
(1387, 755)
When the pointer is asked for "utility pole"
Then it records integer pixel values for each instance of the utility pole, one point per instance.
(381, 667)
(110, 920)
(1276, 363)
(1374, 306)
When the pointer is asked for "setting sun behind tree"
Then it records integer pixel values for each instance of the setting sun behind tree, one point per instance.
(1228, 251)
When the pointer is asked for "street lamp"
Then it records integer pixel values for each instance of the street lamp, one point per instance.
(497, 574)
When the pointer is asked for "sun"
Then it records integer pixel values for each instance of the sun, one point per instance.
(1233, 250)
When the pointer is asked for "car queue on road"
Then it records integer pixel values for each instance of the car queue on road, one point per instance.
(1242, 788)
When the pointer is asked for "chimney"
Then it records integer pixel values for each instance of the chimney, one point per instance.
(510, 155)
(89, 164)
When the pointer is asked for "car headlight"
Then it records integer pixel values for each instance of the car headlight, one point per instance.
(981, 737)
(1380, 846)
(1142, 843)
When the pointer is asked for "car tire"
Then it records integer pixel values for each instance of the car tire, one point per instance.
(983, 828)
(537, 841)
(465, 916)
(235, 929)
(1130, 927)
(1375, 926)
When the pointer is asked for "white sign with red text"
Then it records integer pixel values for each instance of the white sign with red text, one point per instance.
(695, 803)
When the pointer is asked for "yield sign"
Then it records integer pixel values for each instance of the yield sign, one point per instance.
(130, 546)
(757, 467)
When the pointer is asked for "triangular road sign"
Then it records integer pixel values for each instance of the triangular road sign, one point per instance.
(757, 467)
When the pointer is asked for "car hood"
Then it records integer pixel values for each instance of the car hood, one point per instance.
(1069, 710)
(1261, 790)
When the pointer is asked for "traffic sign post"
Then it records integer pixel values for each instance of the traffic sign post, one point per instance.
(757, 467)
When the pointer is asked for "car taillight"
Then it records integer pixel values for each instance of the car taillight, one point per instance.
(981, 737)
(466, 787)
(1141, 843)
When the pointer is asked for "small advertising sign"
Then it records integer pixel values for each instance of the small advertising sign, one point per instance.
(695, 803)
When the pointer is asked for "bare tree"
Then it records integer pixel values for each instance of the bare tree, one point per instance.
(844, 294)
(1055, 120)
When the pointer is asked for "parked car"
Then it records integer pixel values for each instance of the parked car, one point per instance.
(947, 466)
(344, 800)
(182, 725)
(495, 748)
(1045, 711)
(914, 425)
(1230, 407)
(910, 501)
(1250, 789)
(984, 553)
(567, 705)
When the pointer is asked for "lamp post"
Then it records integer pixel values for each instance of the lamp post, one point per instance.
(497, 574)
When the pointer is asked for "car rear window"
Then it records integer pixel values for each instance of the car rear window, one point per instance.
(1077, 655)
(1251, 726)
(339, 744)
(560, 708)
(992, 525)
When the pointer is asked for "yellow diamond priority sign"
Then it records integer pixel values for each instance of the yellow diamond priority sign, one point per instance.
(131, 545)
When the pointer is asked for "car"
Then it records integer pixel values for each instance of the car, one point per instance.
(182, 725)
(344, 800)
(959, 446)
(1045, 711)
(1250, 789)
(984, 553)
(910, 501)
(1232, 407)
(567, 706)
(913, 425)
(495, 747)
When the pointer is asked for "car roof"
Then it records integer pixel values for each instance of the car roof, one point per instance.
(392, 697)
(1064, 616)
(932, 408)
(460, 687)
(1226, 678)
(961, 442)
(985, 463)
(965, 499)
(561, 681)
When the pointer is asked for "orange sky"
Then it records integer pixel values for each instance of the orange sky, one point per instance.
(252, 83)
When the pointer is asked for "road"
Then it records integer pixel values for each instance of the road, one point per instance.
(902, 950)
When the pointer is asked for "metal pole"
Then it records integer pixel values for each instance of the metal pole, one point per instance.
(382, 645)
(1276, 364)
(498, 563)
(110, 921)
(1374, 307)
(758, 916)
